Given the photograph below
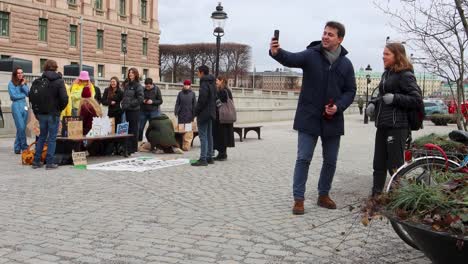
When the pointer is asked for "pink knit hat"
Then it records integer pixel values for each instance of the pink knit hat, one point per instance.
(84, 76)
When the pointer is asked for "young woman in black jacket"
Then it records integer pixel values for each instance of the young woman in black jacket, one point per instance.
(398, 94)
(131, 102)
(223, 134)
(112, 97)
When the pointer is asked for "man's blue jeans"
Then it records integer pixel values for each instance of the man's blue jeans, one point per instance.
(305, 150)
(206, 139)
(49, 127)
(145, 117)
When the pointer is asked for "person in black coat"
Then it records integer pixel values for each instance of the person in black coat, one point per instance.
(398, 94)
(328, 88)
(131, 103)
(205, 111)
(112, 97)
(151, 105)
(223, 134)
(186, 101)
(97, 91)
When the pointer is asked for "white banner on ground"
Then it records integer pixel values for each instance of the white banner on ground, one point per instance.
(137, 164)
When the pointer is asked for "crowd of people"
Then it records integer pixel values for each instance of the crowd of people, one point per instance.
(328, 89)
(129, 101)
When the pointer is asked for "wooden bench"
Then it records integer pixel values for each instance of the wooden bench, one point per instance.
(246, 128)
(77, 141)
(179, 136)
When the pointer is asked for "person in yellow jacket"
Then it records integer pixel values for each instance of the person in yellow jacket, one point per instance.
(68, 109)
(76, 90)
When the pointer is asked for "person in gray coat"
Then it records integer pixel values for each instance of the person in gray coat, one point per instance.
(185, 104)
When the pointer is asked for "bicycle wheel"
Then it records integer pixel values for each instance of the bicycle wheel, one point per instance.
(422, 169)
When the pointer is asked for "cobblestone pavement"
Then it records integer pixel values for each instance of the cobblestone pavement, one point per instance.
(238, 211)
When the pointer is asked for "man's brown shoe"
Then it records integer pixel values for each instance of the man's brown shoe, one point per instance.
(298, 208)
(326, 202)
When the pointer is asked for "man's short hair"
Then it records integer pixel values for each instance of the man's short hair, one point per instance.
(204, 69)
(148, 81)
(338, 26)
(50, 65)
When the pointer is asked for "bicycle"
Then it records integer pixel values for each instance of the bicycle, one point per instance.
(425, 167)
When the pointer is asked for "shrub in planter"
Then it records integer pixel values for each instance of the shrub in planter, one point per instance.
(443, 141)
(441, 120)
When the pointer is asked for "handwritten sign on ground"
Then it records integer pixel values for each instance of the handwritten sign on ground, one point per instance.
(79, 158)
(137, 164)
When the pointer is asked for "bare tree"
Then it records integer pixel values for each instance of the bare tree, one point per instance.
(437, 30)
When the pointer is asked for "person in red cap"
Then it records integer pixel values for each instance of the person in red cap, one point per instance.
(185, 111)
(89, 108)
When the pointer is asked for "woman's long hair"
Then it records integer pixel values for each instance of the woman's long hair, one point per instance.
(14, 76)
(137, 76)
(223, 83)
(111, 90)
(401, 61)
(90, 103)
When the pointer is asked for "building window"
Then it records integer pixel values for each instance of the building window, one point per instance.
(144, 4)
(73, 62)
(122, 7)
(100, 39)
(145, 73)
(4, 24)
(98, 4)
(100, 70)
(5, 57)
(41, 64)
(42, 29)
(72, 2)
(73, 34)
(123, 43)
(124, 73)
(145, 46)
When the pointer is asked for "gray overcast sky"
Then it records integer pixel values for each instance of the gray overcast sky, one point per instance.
(300, 22)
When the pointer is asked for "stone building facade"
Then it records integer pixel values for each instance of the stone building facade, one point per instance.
(38, 30)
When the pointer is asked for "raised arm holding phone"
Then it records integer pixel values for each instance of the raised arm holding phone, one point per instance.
(328, 88)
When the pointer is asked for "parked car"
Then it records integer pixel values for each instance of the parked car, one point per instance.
(434, 107)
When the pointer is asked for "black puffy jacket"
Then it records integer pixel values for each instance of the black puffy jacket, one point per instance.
(132, 96)
(406, 97)
(206, 104)
(56, 92)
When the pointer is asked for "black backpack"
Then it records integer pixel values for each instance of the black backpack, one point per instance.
(39, 96)
(416, 116)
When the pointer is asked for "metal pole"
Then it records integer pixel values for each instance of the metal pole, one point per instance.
(424, 82)
(253, 79)
(218, 47)
(366, 118)
(81, 43)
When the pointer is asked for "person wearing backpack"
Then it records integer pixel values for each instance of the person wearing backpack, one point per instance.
(399, 95)
(48, 98)
(18, 90)
(184, 110)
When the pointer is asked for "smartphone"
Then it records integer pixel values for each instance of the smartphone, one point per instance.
(276, 35)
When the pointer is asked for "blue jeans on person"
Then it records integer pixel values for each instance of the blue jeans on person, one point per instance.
(20, 116)
(48, 125)
(305, 150)
(205, 133)
(145, 116)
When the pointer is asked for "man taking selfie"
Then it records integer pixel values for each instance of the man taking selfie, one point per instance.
(328, 88)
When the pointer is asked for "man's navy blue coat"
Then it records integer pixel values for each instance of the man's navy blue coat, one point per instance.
(321, 82)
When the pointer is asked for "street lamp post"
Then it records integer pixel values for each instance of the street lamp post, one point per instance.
(81, 43)
(368, 78)
(219, 19)
(415, 60)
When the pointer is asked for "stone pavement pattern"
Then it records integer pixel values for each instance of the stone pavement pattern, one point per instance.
(238, 211)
